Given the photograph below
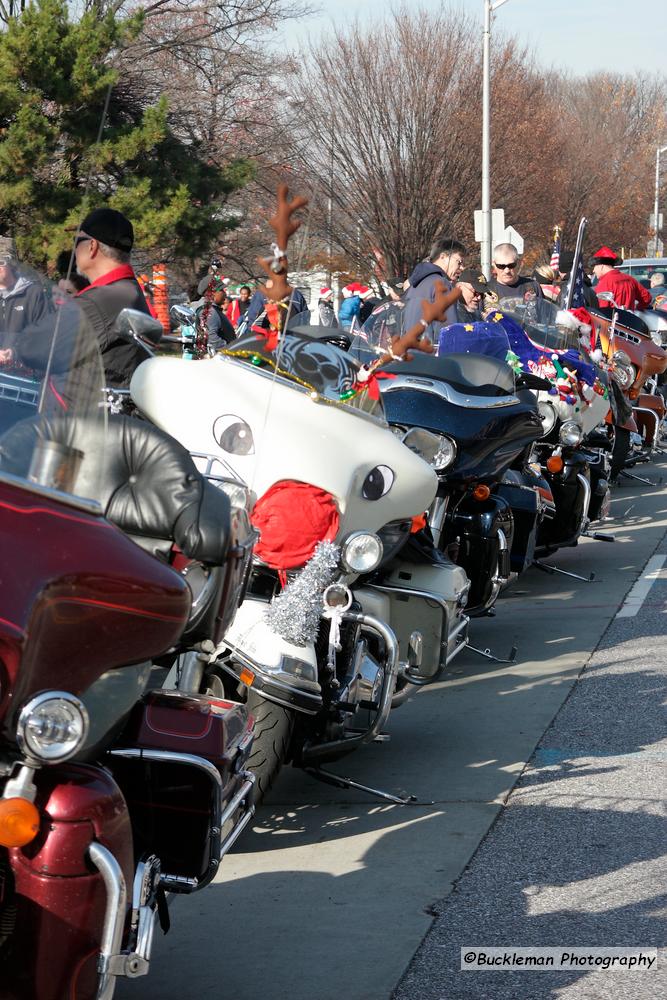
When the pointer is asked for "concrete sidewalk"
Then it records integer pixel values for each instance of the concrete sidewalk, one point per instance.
(332, 892)
(577, 858)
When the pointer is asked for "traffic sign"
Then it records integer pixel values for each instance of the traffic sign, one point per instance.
(516, 239)
(497, 226)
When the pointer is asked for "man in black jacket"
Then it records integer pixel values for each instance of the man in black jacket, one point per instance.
(444, 266)
(102, 252)
(23, 300)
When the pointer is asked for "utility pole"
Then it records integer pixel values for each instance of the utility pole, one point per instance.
(489, 7)
(656, 204)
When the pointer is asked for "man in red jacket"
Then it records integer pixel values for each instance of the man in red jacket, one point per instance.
(627, 291)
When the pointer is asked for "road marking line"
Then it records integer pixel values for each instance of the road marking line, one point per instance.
(639, 592)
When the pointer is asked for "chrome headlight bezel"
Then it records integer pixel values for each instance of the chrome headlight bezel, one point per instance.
(437, 450)
(351, 547)
(61, 749)
(627, 373)
(547, 412)
(570, 434)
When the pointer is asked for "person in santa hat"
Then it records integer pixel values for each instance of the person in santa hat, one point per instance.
(627, 292)
(325, 309)
(369, 302)
(348, 314)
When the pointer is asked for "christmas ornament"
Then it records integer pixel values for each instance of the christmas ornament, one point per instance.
(295, 613)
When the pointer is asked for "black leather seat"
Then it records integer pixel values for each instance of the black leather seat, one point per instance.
(472, 374)
(145, 481)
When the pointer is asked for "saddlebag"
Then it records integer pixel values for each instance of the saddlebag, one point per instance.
(180, 766)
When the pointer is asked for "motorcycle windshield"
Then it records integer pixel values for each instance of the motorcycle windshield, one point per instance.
(474, 358)
(375, 336)
(548, 343)
(310, 363)
(544, 324)
(483, 353)
(52, 412)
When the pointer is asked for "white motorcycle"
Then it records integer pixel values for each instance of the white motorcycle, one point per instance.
(355, 628)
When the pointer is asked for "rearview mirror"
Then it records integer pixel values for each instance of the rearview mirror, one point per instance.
(606, 297)
(184, 315)
(132, 324)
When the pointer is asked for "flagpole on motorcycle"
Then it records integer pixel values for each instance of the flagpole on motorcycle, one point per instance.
(576, 262)
(489, 7)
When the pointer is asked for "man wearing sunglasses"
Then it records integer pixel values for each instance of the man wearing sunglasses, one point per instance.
(506, 281)
(102, 253)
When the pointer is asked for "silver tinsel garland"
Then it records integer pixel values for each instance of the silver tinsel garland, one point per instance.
(295, 613)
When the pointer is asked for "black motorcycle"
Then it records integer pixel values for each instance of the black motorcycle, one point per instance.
(572, 455)
(485, 420)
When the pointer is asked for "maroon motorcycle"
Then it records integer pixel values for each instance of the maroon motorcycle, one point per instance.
(112, 793)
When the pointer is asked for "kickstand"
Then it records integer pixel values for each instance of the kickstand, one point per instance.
(488, 655)
(598, 536)
(638, 479)
(563, 572)
(338, 781)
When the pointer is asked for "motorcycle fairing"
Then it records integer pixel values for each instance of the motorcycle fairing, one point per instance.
(287, 436)
(93, 600)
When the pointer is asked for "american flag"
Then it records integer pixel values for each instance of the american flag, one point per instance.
(555, 253)
(573, 297)
(576, 283)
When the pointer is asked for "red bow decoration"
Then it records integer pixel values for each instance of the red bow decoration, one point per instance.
(272, 337)
(371, 383)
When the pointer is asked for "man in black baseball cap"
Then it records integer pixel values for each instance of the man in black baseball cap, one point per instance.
(473, 286)
(102, 253)
(109, 227)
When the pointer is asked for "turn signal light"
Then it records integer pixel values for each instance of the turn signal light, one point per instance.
(555, 463)
(481, 492)
(418, 523)
(19, 822)
(247, 677)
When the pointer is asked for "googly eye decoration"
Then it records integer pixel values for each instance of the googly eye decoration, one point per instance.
(378, 482)
(233, 435)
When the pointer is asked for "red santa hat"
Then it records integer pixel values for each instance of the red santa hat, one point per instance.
(365, 292)
(326, 293)
(605, 255)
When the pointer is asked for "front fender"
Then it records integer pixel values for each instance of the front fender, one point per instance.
(281, 671)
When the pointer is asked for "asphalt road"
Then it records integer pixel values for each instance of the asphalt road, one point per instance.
(333, 892)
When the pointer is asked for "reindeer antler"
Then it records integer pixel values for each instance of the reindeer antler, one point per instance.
(414, 339)
(283, 226)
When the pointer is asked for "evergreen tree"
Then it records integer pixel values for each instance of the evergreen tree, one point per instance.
(73, 137)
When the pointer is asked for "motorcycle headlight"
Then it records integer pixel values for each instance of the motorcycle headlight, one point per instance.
(361, 552)
(436, 449)
(570, 434)
(625, 375)
(548, 416)
(52, 727)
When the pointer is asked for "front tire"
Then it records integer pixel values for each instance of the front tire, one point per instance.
(273, 733)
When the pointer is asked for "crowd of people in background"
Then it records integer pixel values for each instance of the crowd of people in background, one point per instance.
(102, 282)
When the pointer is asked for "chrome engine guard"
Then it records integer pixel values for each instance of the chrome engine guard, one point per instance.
(458, 633)
(312, 755)
(114, 961)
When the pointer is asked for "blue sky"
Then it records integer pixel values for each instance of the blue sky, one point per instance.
(581, 36)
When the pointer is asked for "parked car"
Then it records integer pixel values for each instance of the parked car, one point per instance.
(642, 268)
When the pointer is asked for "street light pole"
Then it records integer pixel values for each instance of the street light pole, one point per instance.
(656, 207)
(489, 7)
